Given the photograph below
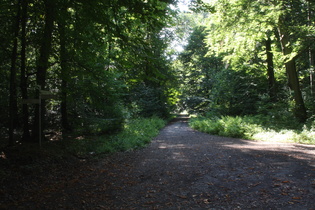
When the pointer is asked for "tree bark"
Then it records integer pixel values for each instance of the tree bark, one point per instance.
(23, 84)
(293, 79)
(312, 72)
(13, 110)
(311, 52)
(300, 110)
(42, 65)
(270, 71)
(64, 71)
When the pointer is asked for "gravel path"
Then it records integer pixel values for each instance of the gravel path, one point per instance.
(186, 169)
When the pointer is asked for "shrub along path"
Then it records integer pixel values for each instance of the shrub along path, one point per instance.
(182, 169)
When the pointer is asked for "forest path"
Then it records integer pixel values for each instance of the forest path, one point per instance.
(187, 169)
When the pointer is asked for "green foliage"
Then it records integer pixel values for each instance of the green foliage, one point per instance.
(210, 85)
(233, 63)
(196, 73)
(225, 126)
(307, 135)
(258, 127)
(100, 52)
(136, 133)
(95, 106)
(149, 101)
(236, 92)
(238, 31)
(98, 126)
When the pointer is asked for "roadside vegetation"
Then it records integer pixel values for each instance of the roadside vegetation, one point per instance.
(136, 133)
(62, 79)
(258, 127)
(30, 158)
(247, 69)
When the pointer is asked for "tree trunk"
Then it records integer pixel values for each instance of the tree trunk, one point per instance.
(311, 53)
(312, 72)
(293, 79)
(23, 84)
(64, 71)
(13, 110)
(270, 71)
(42, 65)
(300, 110)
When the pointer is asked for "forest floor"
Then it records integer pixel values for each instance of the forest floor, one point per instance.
(180, 169)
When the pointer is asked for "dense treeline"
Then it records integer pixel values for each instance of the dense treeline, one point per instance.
(103, 61)
(107, 61)
(249, 57)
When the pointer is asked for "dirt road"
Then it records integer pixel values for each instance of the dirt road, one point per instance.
(186, 169)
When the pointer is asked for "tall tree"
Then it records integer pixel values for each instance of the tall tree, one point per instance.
(90, 52)
(291, 70)
(23, 77)
(236, 32)
(310, 17)
(42, 66)
(270, 71)
(64, 64)
(13, 72)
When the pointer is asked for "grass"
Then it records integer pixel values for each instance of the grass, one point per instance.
(136, 133)
(260, 128)
(30, 158)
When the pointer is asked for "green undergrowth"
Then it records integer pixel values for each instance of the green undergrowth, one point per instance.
(136, 133)
(260, 128)
(30, 157)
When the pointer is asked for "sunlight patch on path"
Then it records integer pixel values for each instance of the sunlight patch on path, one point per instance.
(172, 146)
(301, 151)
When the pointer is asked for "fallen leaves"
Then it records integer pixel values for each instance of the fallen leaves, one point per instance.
(206, 201)
(182, 196)
(128, 181)
(255, 184)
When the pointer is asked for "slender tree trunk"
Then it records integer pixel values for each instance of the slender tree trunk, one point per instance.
(311, 53)
(293, 79)
(13, 110)
(312, 71)
(23, 84)
(42, 65)
(270, 71)
(64, 72)
(300, 110)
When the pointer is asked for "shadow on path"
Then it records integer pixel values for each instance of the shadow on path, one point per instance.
(186, 169)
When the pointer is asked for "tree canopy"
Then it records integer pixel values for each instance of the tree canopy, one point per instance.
(88, 66)
(268, 48)
(101, 60)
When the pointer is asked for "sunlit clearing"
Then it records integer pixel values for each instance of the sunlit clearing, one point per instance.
(273, 136)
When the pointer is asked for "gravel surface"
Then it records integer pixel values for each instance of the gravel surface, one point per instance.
(187, 169)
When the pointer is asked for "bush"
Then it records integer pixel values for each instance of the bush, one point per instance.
(96, 125)
(259, 127)
(136, 133)
(226, 126)
(232, 127)
(307, 136)
(148, 101)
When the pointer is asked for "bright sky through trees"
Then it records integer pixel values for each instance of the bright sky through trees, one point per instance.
(183, 5)
(178, 44)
